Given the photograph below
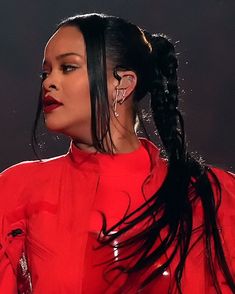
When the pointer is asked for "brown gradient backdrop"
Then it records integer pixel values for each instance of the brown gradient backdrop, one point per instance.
(205, 29)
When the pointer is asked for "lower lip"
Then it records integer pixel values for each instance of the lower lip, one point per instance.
(50, 108)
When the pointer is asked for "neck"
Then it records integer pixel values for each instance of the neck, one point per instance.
(122, 143)
(125, 141)
(122, 132)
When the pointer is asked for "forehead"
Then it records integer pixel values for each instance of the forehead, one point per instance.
(64, 40)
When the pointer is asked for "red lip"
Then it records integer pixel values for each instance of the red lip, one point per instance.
(50, 103)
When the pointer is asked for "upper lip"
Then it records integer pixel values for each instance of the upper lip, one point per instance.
(48, 100)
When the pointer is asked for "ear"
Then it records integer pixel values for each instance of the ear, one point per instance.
(127, 83)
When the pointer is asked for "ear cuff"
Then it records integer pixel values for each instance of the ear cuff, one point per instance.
(118, 101)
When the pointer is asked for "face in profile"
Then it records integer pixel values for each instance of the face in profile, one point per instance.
(66, 91)
(66, 96)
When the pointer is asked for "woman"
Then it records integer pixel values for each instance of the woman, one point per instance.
(112, 215)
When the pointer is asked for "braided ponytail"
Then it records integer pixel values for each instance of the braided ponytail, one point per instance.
(183, 167)
(170, 126)
(164, 97)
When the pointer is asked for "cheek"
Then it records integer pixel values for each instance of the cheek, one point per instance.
(78, 98)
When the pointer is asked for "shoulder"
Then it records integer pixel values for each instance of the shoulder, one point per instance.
(225, 179)
(223, 184)
(154, 154)
(19, 182)
(27, 168)
(226, 211)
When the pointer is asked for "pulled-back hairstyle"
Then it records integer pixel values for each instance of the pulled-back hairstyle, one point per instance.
(152, 57)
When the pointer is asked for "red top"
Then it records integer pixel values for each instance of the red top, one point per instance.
(50, 217)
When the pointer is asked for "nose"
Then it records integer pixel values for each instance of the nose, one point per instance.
(50, 83)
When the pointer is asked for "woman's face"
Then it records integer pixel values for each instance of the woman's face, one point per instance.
(66, 95)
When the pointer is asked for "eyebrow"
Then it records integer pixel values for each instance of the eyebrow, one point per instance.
(61, 56)
(68, 54)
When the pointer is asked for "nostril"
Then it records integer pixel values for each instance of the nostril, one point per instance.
(52, 86)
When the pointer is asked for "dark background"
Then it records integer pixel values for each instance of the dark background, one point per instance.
(204, 29)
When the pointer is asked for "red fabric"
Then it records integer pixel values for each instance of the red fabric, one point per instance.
(56, 204)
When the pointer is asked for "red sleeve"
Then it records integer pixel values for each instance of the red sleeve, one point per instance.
(7, 276)
(12, 182)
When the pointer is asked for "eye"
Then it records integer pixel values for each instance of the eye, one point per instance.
(66, 68)
(44, 75)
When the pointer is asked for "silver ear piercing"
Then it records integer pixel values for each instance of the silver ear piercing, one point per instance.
(116, 101)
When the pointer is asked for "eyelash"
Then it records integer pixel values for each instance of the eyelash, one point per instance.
(43, 75)
(65, 68)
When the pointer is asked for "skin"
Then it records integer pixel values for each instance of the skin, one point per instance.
(66, 80)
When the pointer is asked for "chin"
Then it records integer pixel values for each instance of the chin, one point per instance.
(54, 127)
(82, 133)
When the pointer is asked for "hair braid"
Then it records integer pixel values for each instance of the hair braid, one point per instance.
(182, 166)
(164, 101)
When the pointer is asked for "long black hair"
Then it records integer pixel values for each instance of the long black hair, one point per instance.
(152, 57)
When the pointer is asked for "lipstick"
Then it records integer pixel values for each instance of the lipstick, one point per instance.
(50, 103)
